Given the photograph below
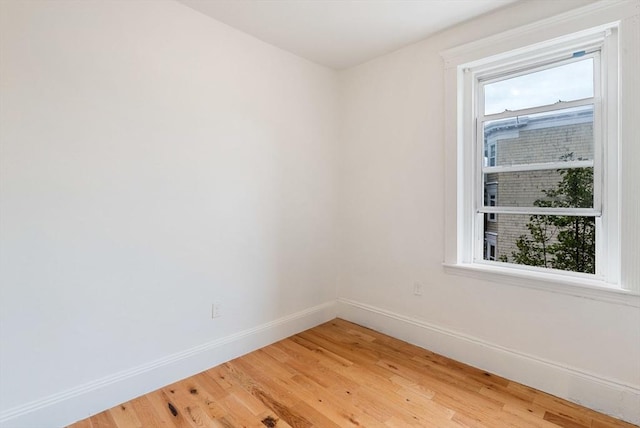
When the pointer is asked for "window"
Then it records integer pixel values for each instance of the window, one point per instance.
(491, 194)
(537, 190)
(490, 153)
(542, 116)
(491, 243)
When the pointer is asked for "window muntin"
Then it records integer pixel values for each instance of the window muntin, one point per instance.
(536, 135)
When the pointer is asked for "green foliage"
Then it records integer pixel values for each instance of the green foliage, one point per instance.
(562, 242)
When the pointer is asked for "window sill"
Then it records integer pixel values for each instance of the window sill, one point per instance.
(585, 288)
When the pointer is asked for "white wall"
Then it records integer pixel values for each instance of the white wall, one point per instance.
(153, 161)
(392, 229)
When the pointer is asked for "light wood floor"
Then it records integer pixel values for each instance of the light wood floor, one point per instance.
(342, 375)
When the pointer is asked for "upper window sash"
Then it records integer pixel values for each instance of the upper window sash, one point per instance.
(498, 66)
(489, 76)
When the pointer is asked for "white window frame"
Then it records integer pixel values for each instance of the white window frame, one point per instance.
(594, 24)
(473, 77)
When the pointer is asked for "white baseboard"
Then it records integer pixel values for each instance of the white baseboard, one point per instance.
(608, 396)
(77, 403)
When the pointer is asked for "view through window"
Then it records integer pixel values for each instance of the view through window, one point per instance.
(539, 205)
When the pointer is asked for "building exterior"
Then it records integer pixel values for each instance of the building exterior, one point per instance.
(549, 138)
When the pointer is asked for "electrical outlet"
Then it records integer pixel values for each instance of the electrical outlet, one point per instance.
(215, 310)
(417, 289)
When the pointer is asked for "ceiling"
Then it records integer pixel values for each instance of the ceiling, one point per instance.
(342, 33)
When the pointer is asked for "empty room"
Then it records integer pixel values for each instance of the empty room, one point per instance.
(319, 213)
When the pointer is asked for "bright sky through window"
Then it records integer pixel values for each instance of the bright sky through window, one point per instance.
(568, 82)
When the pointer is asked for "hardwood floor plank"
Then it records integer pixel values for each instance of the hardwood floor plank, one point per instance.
(146, 413)
(562, 410)
(165, 408)
(315, 415)
(275, 393)
(533, 416)
(241, 413)
(503, 396)
(103, 420)
(125, 416)
(416, 387)
(184, 398)
(332, 406)
(208, 401)
(563, 422)
(326, 357)
(85, 423)
(267, 419)
(207, 384)
(262, 386)
(340, 375)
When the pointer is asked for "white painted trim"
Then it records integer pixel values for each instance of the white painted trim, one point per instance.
(77, 403)
(587, 288)
(606, 395)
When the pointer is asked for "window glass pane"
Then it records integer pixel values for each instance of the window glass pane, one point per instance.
(553, 136)
(568, 82)
(556, 242)
(565, 188)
